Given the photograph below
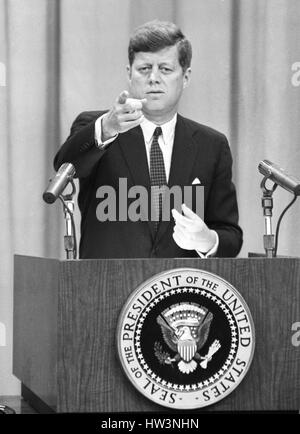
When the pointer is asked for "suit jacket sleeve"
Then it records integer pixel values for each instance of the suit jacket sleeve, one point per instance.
(221, 213)
(81, 148)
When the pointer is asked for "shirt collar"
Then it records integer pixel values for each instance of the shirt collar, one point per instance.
(168, 129)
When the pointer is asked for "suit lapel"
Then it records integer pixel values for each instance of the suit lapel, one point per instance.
(183, 158)
(132, 146)
(183, 155)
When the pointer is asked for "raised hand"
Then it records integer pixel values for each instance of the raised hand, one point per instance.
(125, 114)
(190, 231)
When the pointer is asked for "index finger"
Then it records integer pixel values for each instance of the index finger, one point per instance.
(182, 220)
(123, 97)
(188, 212)
(191, 224)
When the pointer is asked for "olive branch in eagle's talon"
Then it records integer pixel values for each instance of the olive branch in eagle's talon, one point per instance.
(162, 356)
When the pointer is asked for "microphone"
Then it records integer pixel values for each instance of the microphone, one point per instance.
(56, 185)
(279, 176)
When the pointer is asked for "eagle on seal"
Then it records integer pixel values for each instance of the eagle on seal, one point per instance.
(185, 329)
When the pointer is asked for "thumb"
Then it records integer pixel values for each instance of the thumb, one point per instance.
(123, 97)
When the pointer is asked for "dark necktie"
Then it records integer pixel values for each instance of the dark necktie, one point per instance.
(157, 178)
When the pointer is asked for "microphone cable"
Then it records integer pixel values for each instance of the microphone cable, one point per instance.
(72, 223)
(279, 221)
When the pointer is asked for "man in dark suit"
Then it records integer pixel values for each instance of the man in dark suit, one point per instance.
(144, 141)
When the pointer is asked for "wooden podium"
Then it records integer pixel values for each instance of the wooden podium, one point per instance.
(65, 319)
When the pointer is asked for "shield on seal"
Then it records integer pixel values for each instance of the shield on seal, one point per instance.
(186, 344)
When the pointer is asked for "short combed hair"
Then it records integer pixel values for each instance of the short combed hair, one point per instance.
(156, 35)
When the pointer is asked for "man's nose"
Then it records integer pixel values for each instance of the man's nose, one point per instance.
(154, 76)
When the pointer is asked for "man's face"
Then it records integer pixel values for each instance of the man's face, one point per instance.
(160, 79)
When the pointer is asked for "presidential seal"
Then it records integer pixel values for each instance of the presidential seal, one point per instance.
(185, 338)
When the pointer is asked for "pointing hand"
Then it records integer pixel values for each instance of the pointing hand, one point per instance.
(125, 114)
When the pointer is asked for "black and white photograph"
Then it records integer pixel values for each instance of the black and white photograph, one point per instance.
(150, 227)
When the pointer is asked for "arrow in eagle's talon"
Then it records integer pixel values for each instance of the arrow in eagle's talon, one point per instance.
(215, 346)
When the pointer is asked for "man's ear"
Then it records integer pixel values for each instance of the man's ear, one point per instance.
(187, 77)
(128, 69)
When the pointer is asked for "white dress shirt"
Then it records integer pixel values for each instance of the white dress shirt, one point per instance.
(165, 141)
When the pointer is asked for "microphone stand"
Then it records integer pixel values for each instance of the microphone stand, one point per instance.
(70, 236)
(267, 204)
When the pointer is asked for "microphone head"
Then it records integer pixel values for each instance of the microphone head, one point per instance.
(279, 176)
(49, 197)
(56, 185)
(264, 167)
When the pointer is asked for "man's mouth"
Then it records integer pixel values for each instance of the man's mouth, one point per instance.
(154, 92)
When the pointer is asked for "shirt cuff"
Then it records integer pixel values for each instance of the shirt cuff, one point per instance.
(98, 134)
(212, 251)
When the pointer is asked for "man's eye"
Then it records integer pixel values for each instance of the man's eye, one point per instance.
(165, 69)
(144, 68)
